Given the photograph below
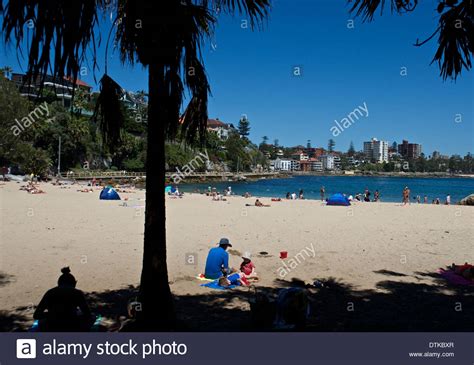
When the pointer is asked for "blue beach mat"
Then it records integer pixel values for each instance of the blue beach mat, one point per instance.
(215, 285)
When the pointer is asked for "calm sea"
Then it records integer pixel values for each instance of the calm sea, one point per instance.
(390, 188)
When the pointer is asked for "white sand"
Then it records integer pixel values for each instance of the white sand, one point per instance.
(102, 241)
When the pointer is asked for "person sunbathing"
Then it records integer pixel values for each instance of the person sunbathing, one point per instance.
(86, 190)
(466, 270)
(33, 189)
(258, 203)
(219, 198)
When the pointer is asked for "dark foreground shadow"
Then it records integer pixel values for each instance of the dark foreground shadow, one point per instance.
(337, 306)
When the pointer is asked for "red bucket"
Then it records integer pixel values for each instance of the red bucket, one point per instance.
(283, 254)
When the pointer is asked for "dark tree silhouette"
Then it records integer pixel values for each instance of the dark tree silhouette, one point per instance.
(244, 127)
(331, 145)
(166, 36)
(351, 150)
(455, 30)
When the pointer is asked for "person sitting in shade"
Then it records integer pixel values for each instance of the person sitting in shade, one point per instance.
(217, 261)
(58, 311)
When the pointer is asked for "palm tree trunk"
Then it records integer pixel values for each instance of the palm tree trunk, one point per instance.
(155, 294)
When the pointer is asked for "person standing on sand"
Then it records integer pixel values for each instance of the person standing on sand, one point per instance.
(448, 199)
(301, 194)
(406, 196)
(376, 196)
(322, 191)
(367, 195)
(4, 173)
(425, 200)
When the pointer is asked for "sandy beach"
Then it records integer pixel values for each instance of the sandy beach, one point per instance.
(369, 251)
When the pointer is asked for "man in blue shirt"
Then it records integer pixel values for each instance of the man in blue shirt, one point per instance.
(218, 260)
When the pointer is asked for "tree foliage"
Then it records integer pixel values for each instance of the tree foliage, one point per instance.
(455, 30)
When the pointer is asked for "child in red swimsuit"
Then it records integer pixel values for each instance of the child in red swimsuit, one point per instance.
(247, 267)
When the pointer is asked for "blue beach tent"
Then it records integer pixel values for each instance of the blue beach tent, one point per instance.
(338, 199)
(109, 193)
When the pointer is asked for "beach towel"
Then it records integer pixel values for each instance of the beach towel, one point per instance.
(454, 278)
(215, 285)
(95, 327)
(233, 278)
(203, 278)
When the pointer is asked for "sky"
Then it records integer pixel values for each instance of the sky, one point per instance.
(313, 64)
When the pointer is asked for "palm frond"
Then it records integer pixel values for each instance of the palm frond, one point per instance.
(194, 119)
(366, 9)
(256, 10)
(456, 41)
(171, 34)
(455, 29)
(61, 32)
(108, 112)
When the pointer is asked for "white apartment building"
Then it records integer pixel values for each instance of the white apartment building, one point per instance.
(295, 165)
(376, 150)
(328, 162)
(317, 166)
(281, 164)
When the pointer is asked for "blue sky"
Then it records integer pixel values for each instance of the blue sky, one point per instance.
(252, 73)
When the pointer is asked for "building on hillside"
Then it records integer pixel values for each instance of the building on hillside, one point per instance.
(392, 154)
(295, 165)
(353, 161)
(409, 150)
(222, 129)
(315, 152)
(376, 151)
(281, 164)
(438, 156)
(316, 165)
(61, 88)
(328, 162)
(300, 156)
(318, 152)
(305, 165)
(133, 101)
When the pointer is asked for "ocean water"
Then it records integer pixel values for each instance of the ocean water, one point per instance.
(390, 188)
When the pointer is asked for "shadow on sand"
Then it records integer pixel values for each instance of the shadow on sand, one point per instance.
(337, 306)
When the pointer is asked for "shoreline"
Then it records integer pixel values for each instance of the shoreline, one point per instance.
(208, 179)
